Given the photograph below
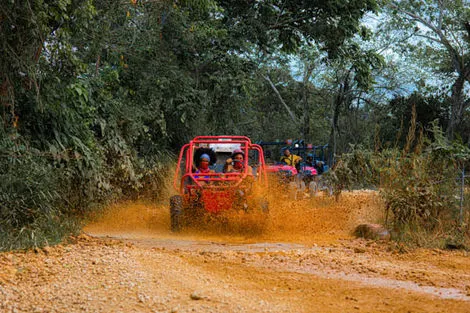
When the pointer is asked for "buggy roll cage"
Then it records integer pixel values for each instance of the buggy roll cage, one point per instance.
(187, 152)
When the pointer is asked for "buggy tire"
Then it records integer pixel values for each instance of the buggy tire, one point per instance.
(176, 213)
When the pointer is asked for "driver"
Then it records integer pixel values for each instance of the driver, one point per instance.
(203, 166)
(291, 159)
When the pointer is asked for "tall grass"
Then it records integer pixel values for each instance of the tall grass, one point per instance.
(419, 184)
(32, 206)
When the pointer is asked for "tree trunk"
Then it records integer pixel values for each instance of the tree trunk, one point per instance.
(306, 105)
(7, 105)
(458, 106)
(341, 98)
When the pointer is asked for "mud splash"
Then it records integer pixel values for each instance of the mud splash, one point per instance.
(311, 220)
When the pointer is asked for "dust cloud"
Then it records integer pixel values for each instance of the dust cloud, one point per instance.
(315, 219)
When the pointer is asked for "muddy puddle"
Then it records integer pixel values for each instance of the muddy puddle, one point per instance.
(307, 221)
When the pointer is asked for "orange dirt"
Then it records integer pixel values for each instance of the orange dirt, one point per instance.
(303, 258)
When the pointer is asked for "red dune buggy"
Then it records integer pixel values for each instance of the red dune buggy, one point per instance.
(217, 189)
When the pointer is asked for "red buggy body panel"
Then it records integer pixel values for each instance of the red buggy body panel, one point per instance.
(216, 201)
(276, 168)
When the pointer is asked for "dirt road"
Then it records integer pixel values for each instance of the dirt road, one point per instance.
(303, 259)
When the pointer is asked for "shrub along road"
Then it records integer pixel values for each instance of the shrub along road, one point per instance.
(302, 260)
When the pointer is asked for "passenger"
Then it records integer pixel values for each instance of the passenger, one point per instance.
(235, 164)
(319, 165)
(309, 160)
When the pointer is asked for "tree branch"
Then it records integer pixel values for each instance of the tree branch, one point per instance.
(430, 38)
(291, 114)
(437, 31)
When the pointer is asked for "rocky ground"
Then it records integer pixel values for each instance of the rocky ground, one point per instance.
(302, 259)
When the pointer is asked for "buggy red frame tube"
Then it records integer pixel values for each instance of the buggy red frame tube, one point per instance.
(187, 151)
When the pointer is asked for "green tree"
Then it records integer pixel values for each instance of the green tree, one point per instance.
(289, 24)
(437, 34)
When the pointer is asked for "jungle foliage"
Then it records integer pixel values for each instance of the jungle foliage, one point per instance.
(421, 183)
(96, 96)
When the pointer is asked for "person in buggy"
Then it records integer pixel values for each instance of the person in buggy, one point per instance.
(203, 159)
(235, 164)
(291, 159)
(203, 167)
(319, 167)
(309, 160)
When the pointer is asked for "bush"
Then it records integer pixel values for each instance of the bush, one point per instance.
(419, 185)
(32, 208)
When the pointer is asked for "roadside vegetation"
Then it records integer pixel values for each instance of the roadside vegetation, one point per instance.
(96, 97)
(422, 184)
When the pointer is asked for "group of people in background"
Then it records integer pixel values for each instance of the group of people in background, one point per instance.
(236, 163)
(291, 159)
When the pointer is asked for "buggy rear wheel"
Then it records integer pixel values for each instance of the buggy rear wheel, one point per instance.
(176, 213)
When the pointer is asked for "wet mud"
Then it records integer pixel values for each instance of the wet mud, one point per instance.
(311, 236)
